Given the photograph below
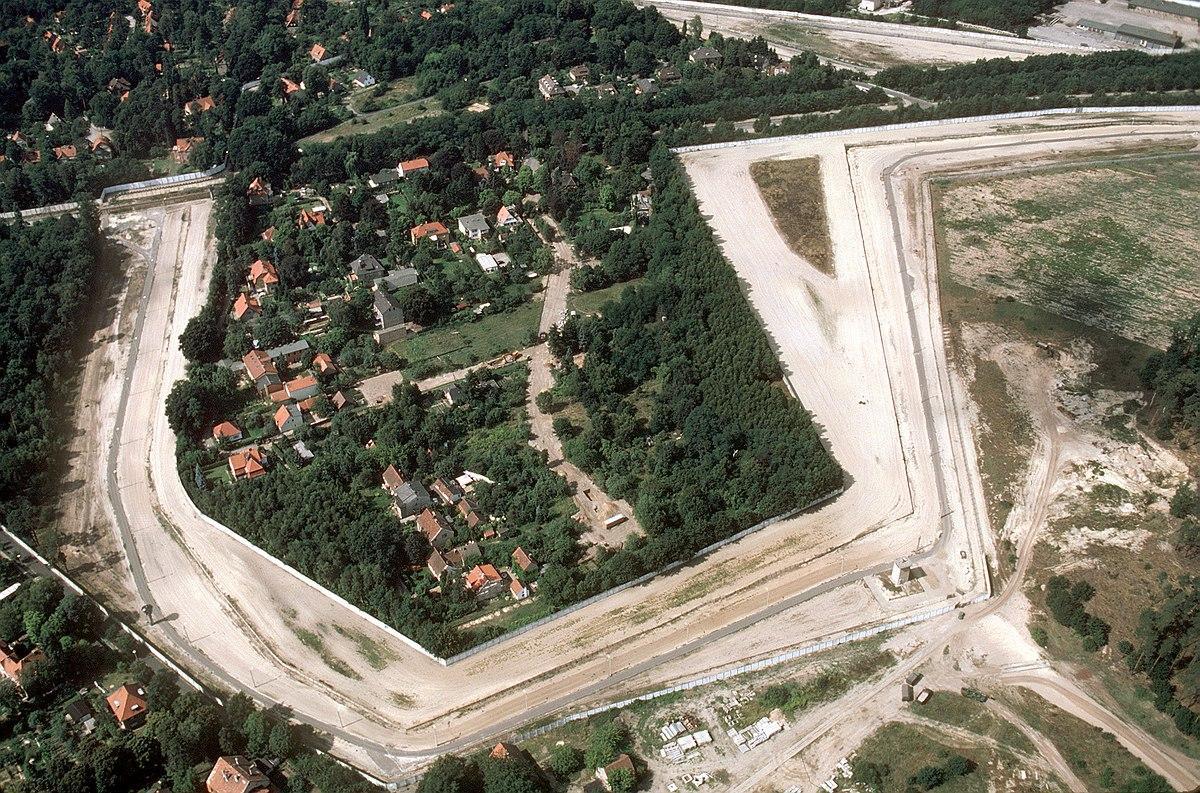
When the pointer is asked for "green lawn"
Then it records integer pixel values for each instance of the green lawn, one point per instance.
(591, 302)
(950, 707)
(400, 114)
(458, 344)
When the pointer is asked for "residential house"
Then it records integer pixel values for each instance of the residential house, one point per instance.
(226, 432)
(524, 561)
(80, 713)
(182, 149)
(487, 262)
(518, 590)
(706, 56)
(67, 152)
(470, 512)
(18, 658)
(435, 528)
(362, 79)
(290, 87)
(532, 163)
(549, 87)
(303, 387)
(669, 74)
(454, 396)
(310, 218)
(128, 705)
(409, 498)
(507, 217)
(339, 400)
(317, 53)
(399, 278)
(249, 463)
(303, 452)
(289, 354)
(645, 87)
(324, 364)
(259, 191)
(779, 69)
(641, 202)
(246, 307)
(437, 565)
(485, 581)
(407, 168)
(263, 276)
(288, 417)
(448, 491)
(502, 159)
(100, 147)
(201, 104)
(389, 318)
(52, 122)
(366, 269)
(119, 85)
(461, 556)
(261, 370)
(383, 178)
(268, 234)
(434, 231)
(473, 226)
(622, 763)
(605, 89)
(580, 74)
(393, 479)
(236, 774)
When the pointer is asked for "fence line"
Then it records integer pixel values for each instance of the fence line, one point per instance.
(831, 133)
(764, 663)
(162, 181)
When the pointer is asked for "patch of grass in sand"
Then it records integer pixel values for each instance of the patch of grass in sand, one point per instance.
(1095, 756)
(314, 642)
(374, 653)
(401, 700)
(818, 686)
(1006, 433)
(950, 707)
(793, 192)
(895, 752)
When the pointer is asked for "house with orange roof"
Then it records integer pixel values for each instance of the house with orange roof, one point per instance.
(435, 528)
(201, 104)
(426, 14)
(289, 417)
(308, 219)
(502, 159)
(524, 560)
(485, 581)
(518, 590)
(259, 191)
(145, 7)
(263, 276)
(268, 234)
(101, 147)
(289, 86)
(260, 369)
(470, 512)
(317, 53)
(507, 217)
(182, 149)
(324, 363)
(303, 387)
(226, 432)
(408, 167)
(246, 307)
(19, 658)
(128, 705)
(249, 463)
(237, 774)
(68, 152)
(434, 231)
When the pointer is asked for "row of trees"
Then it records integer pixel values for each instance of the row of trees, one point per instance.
(47, 275)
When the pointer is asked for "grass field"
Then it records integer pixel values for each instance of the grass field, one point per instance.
(1113, 245)
(397, 114)
(898, 751)
(460, 344)
(952, 708)
(591, 302)
(1095, 756)
(792, 191)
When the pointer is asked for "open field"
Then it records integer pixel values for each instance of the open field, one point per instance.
(1111, 244)
(374, 121)
(792, 191)
(460, 344)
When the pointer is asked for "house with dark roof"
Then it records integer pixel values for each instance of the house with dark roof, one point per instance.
(474, 226)
(389, 317)
(706, 56)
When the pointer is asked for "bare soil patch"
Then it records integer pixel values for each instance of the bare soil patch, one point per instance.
(792, 191)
